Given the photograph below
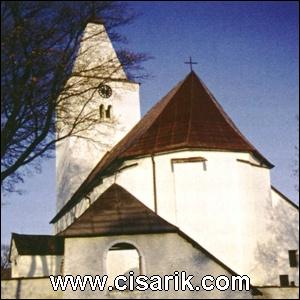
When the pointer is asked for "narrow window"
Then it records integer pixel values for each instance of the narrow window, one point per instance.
(121, 259)
(108, 112)
(284, 280)
(293, 258)
(101, 111)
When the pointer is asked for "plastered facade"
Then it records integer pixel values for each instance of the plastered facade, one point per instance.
(80, 102)
(234, 197)
(159, 256)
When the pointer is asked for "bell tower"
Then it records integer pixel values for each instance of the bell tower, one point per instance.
(103, 104)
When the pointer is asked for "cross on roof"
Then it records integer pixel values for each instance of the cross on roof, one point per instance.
(191, 63)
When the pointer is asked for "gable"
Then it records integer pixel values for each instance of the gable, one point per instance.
(188, 117)
(283, 197)
(116, 211)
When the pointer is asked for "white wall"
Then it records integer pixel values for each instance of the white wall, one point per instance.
(36, 266)
(33, 288)
(227, 208)
(160, 255)
(279, 293)
(286, 235)
(75, 156)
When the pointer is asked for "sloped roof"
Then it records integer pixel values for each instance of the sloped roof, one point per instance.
(28, 244)
(116, 211)
(187, 117)
(285, 197)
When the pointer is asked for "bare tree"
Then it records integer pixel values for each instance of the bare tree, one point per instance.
(39, 44)
(5, 264)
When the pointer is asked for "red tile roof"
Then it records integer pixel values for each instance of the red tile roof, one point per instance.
(116, 211)
(187, 117)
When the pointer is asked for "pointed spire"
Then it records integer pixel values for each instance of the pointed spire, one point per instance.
(96, 55)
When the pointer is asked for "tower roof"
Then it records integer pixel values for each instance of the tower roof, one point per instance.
(188, 117)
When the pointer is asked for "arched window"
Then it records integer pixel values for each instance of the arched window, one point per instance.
(121, 259)
(101, 111)
(108, 112)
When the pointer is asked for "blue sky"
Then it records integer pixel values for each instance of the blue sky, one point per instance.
(247, 54)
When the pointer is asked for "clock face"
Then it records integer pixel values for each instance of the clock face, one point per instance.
(105, 91)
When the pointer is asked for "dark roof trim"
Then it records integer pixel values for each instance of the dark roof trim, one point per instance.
(252, 164)
(88, 185)
(175, 230)
(285, 198)
(184, 236)
(126, 215)
(106, 162)
(28, 244)
(255, 291)
(188, 160)
(125, 149)
(254, 151)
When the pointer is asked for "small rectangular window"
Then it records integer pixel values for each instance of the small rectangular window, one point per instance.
(293, 258)
(284, 280)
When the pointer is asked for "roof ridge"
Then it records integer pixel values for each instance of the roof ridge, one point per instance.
(230, 121)
(224, 114)
(119, 200)
(127, 144)
(191, 111)
(108, 158)
(203, 126)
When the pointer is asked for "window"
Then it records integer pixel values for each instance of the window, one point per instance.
(108, 112)
(293, 258)
(284, 280)
(101, 111)
(121, 259)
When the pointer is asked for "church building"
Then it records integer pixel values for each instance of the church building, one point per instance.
(179, 190)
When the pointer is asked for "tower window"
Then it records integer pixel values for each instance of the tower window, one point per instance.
(284, 280)
(108, 112)
(101, 111)
(121, 259)
(293, 258)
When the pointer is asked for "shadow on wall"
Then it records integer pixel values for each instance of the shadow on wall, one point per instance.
(18, 289)
(272, 255)
(41, 266)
